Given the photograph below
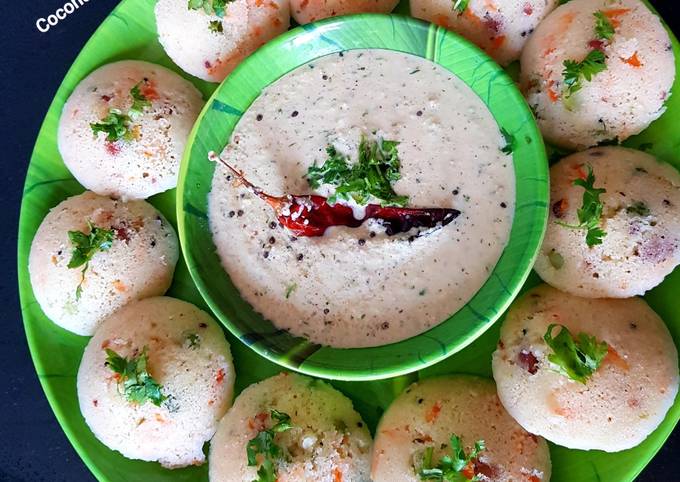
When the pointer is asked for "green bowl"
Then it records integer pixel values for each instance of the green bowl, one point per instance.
(298, 47)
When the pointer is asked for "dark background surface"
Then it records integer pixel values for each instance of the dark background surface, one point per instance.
(32, 446)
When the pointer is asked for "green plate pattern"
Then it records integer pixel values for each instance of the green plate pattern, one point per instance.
(298, 47)
(129, 32)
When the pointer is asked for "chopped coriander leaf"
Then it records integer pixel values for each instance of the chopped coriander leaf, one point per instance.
(639, 208)
(85, 246)
(562, 2)
(372, 175)
(138, 385)
(574, 72)
(211, 7)
(590, 212)
(460, 5)
(450, 467)
(114, 125)
(509, 142)
(603, 26)
(577, 358)
(193, 340)
(263, 445)
(216, 26)
(556, 259)
(289, 289)
(139, 101)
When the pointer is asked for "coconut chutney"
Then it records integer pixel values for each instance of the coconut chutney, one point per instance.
(359, 287)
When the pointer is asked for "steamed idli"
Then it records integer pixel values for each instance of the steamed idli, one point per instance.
(92, 254)
(123, 129)
(422, 425)
(597, 70)
(499, 27)
(640, 218)
(629, 370)
(155, 380)
(320, 438)
(209, 42)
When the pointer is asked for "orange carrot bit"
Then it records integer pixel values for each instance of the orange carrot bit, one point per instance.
(442, 21)
(337, 475)
(433, 413)
(468, 471)
(497, 42)
(615, 359)
(220, 376)
(534, 478)
(554, 96)
(613, 15)
(633, 60)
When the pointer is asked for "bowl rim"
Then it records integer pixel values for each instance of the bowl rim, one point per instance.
(422, 39)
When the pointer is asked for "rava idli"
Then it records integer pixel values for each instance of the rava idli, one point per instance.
(636, 219)
(123, 129)
(93, 254)
(293, 429)
(155, 380)
(306, 11)
(208, 40)
(589, 374)
(458, 417)
(499, 27)
(597, 70)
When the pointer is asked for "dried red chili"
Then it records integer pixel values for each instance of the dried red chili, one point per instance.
(311, 215)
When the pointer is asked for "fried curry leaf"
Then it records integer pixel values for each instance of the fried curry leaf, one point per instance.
(590, 212)
(138, 385)
(603, 26)
(577, 358)
(263, 447)
(85, 246)
(372, 175)
(450, 467)
(575, 72)
(460, 5)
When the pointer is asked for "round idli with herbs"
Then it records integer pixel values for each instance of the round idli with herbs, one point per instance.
(597, 70)
(155, 380)
(499, 27)
(93, 254)
(455, 428)
(123, 129)
(614, 225)
(588, 374)
(291, 428)
(306, 11)
(209, 39)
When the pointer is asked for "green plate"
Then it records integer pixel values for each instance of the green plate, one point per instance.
(56, 353)
(298, 47)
